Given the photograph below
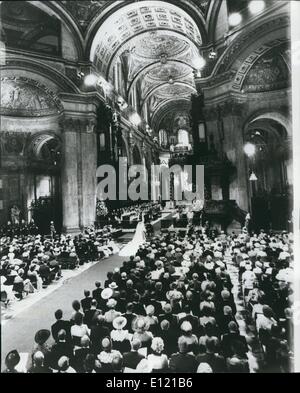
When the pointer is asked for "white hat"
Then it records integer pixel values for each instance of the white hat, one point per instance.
(106, 293)
(113, 285)
(204, 368)
(119, 323)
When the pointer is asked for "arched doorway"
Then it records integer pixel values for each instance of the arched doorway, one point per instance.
(44, 188)
(268, 168)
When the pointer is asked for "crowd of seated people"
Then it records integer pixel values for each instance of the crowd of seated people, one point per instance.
(31, 262)
(148, 209)
(20, 229)
(171, 308)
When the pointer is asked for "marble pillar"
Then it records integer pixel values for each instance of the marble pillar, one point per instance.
(89, 180)
(233, 147)
(79, 166)
(69, 178)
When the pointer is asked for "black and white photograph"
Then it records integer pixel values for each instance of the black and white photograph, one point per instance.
(149, 196)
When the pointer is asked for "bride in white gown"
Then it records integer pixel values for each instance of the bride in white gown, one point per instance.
(139, 238)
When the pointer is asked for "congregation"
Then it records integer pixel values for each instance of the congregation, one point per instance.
(172, 308)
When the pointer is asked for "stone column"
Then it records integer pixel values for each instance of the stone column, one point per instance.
(131, 143)
(233, 146)
(89, 168)
(79, 164)
(69, 176)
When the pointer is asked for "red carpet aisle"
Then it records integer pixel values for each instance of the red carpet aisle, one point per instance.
(18, 332)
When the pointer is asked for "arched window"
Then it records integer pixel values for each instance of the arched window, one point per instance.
(163, 138)
(183, 138)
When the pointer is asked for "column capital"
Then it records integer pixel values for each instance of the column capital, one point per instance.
(223, 109)
(78, 124)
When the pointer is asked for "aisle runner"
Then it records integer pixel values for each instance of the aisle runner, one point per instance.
(246, 324)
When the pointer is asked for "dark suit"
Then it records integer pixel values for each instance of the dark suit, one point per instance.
(79, 357)
(178, 307)
(157, 305)
(40, 370)
(193, 321)
(228, 342)
(216, 362)
(132, 359)
(89, 316)
(97, 334)
(130, 318)
(86, 303)
(97, 294)
(183, 363)
(168, 317)
(58, 350)
(170, 338)
(61, 325)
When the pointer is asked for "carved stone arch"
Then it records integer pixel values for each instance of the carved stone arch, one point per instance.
(252, 59)
(64, 16)
(39, 139)
(212, 18)
(265, 114)
(156, 88)
(57, 79)
(151, 66)
(243, 45)
(165, 107)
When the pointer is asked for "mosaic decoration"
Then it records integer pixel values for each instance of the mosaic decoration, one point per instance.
(83, 11)
(269, 73)
(253, 59)
(26, 97)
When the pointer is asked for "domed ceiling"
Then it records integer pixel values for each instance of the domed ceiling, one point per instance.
(162, 72)
(156, 43)
(136, 18)
(153, 45)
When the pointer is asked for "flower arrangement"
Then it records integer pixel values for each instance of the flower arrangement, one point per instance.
(101, 209)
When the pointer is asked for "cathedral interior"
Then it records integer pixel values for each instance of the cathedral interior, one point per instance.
(84, 83)
(184, 286)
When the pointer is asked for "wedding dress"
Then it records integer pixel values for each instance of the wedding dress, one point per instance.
(139, 238)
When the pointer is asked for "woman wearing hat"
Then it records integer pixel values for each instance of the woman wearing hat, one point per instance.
(191, 339)
(106, 356)
(140, 327)
(79, 330)
(111, 314)
(158, 361)
(151, 319)
(41, 337)
(120, 338)
(265, 322)
(11, 361)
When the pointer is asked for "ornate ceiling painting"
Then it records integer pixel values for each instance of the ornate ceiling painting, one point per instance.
(157, 43)
(26, 97)
(134, 19)
(166, 115)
